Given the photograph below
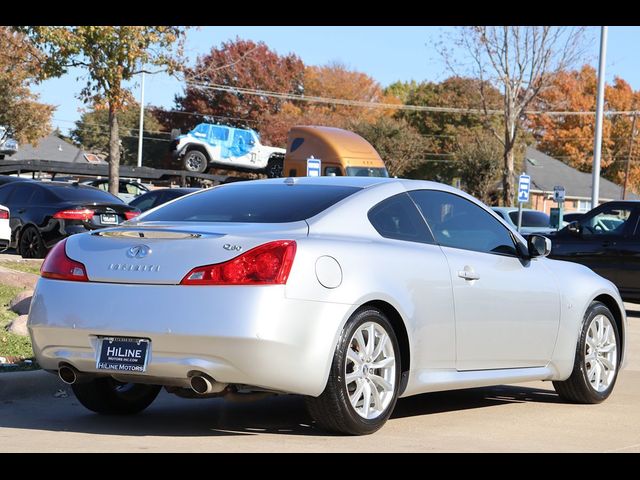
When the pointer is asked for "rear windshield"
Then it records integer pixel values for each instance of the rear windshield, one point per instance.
(367, 172)
(250, 203)
(83, 194)
(531, 219)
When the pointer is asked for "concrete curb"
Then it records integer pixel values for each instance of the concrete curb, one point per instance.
(24, 385)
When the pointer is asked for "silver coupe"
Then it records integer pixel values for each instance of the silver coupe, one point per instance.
(351, 291)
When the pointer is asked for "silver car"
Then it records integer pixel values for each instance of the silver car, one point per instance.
(351, 291)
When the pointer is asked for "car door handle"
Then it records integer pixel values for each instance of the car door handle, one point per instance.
(468, 275)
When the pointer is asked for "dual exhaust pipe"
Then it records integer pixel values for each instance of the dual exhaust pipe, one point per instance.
(201, 383)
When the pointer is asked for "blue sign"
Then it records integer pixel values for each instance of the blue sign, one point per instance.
(524, 183)
(313, 167)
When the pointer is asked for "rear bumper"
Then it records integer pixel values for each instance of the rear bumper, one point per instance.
(240, 335)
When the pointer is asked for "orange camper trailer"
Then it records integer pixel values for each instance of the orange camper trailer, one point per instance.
(315, 151)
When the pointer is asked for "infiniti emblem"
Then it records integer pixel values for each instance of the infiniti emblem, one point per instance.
(138, 251)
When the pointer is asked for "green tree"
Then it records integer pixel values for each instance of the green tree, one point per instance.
(400, 145)
(20, 112)
(478, 158)
(92, 132)
(111, 56)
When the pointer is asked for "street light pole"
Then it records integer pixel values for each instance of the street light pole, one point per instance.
(597, 142)
(141, 122)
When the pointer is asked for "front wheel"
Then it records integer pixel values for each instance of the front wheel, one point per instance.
(275, 166)
(597, 359)
(110, 397)
(195, 161)
(363, 382)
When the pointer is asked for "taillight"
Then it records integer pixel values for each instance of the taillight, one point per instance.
(83, 214)
(131, 214)
(4, 214)
(57, 265)
(268, 264)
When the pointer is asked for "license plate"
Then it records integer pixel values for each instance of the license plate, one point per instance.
(109, 218)
(123, 354)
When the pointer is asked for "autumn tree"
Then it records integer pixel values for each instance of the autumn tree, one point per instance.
(239, 63)
(92, 132)
(326, 84)
(400, 146)
(570, 137)
(521, 62)
(20, 112)
(111, 56)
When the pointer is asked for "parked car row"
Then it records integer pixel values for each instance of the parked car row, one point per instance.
(35, 215)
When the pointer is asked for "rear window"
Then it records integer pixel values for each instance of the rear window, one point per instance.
(83, 194)
(249, 203)
(531, 219)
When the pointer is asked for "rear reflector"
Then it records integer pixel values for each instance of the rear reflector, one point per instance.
(131, 214)
(4, 214)
(268, 264)
(57, 265)
(83, 214)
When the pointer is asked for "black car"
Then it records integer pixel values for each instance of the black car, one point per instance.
(572, 217)
(157, 197)
(42, 213)
(607, 240)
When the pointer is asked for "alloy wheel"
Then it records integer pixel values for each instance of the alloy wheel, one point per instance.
(600, 353)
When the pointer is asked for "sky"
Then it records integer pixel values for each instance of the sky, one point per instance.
(387, 54)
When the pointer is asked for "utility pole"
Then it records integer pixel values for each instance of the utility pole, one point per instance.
(626, 171)
(141, 122)
(597, 142)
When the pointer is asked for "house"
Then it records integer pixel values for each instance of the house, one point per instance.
(546, 172)
(56, 149)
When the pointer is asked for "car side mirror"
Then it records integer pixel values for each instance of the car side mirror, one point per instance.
(574, 228)
(539, 246)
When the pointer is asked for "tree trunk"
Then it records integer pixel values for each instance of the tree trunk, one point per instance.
(508, 192)
(114, 152)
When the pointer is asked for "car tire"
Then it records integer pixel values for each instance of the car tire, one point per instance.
(195, 161)
(30, 244)
(110, 397)
(597, 359)
(348, 404)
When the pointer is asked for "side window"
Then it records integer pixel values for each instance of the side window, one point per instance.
(333, 171)
(611, 220)
(293, 172)
(398, 218)
(459, 223)
(21, 195)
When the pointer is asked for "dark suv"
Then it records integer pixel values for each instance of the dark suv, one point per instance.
(607, 240)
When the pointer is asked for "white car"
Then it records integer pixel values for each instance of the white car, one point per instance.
(226, 147)
(351, 291)
(5, 228)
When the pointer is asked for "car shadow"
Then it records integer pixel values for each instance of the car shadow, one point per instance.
(170, 416)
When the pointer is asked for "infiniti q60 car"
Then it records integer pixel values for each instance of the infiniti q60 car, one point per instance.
(350, 291)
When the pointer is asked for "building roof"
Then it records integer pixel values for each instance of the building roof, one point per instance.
(57, 149)
(547, 172)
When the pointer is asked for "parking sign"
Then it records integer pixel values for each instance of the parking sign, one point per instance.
(524, 182)
(313, 167)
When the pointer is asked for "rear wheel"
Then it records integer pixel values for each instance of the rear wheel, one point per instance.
(597, 359)
(195, 161)
(110, 397)
(275, 165)
(31, 244)
(363, 382)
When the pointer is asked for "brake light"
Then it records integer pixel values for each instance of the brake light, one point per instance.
(83, 214)
(268, 264)
(131, 214)
(57, 265)
(4, 215)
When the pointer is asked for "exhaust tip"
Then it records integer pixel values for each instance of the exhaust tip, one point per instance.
(201, 385)
(67, 375)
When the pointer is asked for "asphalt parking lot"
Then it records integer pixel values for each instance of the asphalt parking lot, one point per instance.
(39, 414)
